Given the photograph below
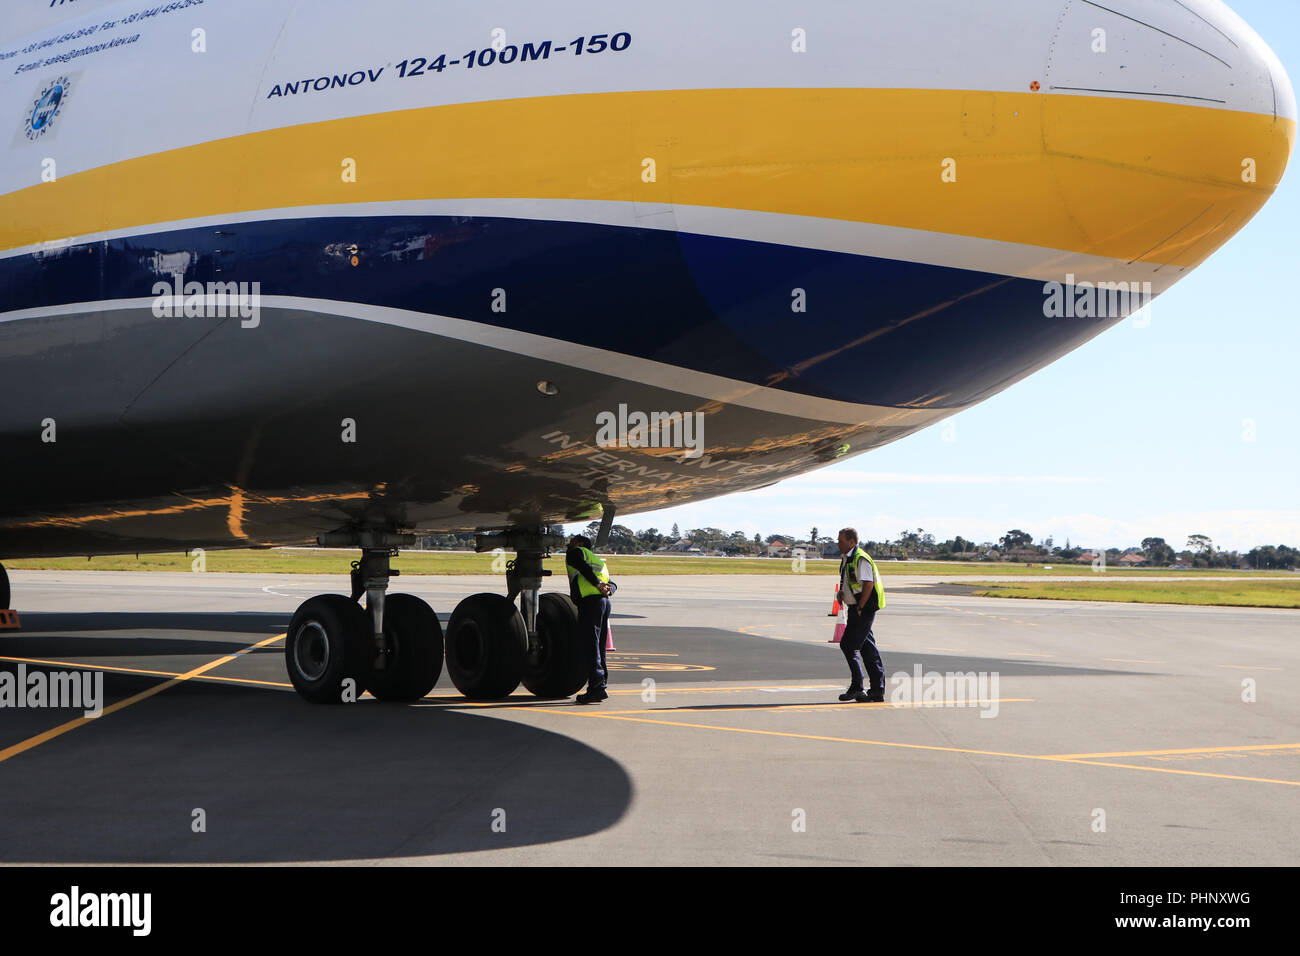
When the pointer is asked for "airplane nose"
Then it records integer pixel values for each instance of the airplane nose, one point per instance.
(1170, 123)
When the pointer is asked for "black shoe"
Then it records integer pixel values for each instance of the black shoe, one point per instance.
(872, 697)
(593, 697)
(851, 694)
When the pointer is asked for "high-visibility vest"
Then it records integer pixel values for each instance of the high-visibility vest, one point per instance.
(854, 584)
(585, 587)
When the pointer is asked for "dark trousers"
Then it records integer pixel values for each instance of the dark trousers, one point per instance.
(593, 616)
(858, 637)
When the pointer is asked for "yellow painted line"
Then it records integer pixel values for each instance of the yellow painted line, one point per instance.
(70, 725)
(90, 667)
(1188, 750)
(524, 695)
(816, 706)
(929, 747)
(641, 654)
(149, 673)
(706, 690)
(1129, 660)
(1248, 667)
(248, 680)
(783, 733)
(1189, 773)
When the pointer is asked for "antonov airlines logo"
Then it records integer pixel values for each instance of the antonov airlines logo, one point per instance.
(46, 107)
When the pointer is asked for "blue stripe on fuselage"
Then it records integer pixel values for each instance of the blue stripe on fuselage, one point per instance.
(875, 331)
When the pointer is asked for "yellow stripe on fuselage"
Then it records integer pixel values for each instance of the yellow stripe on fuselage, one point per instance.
(1112, 177)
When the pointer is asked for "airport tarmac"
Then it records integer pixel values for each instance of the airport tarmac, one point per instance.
(1113, 735)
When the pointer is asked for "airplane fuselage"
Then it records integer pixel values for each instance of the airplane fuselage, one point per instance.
(271, 269)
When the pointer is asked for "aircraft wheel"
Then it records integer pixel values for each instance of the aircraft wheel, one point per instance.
(4, 588)
(486, 644)
(329, 642)
(415, 636)
(559, 668)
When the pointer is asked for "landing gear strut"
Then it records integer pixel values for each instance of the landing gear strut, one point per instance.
(491, 648)
(334, 650)
(394, 648)
(4, 588)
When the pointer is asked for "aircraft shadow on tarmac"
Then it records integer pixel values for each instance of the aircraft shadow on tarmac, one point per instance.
(239, 622)
(279, 780)
(55, 636)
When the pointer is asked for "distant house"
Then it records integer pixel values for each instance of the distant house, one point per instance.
(777, 549)
(1088, 557)
(1023, 554)
(1132, 559)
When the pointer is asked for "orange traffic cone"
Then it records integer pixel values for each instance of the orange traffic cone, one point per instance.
(609, 638)
(835, 605)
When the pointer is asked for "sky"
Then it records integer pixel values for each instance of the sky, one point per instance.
(1185, 426)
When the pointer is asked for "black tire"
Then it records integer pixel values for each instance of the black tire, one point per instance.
(486, 642)
(561, 666)
(329, 642)
(4, 588)
(414, 634)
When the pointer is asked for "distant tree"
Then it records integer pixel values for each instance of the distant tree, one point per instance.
(1157, 551)
(677, 535)
(650, 539)
(1199, 544)
(622, 540)
(812, 535)
(1268, 557)
(908, 540)
(1016, 539)
(706, 539)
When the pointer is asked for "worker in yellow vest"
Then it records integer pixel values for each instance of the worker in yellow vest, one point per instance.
(863, 593)
(590, 588)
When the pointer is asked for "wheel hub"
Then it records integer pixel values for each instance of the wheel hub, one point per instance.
(311, 650)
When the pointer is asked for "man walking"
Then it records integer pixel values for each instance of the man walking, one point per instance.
(590, 588)
(863, 594)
